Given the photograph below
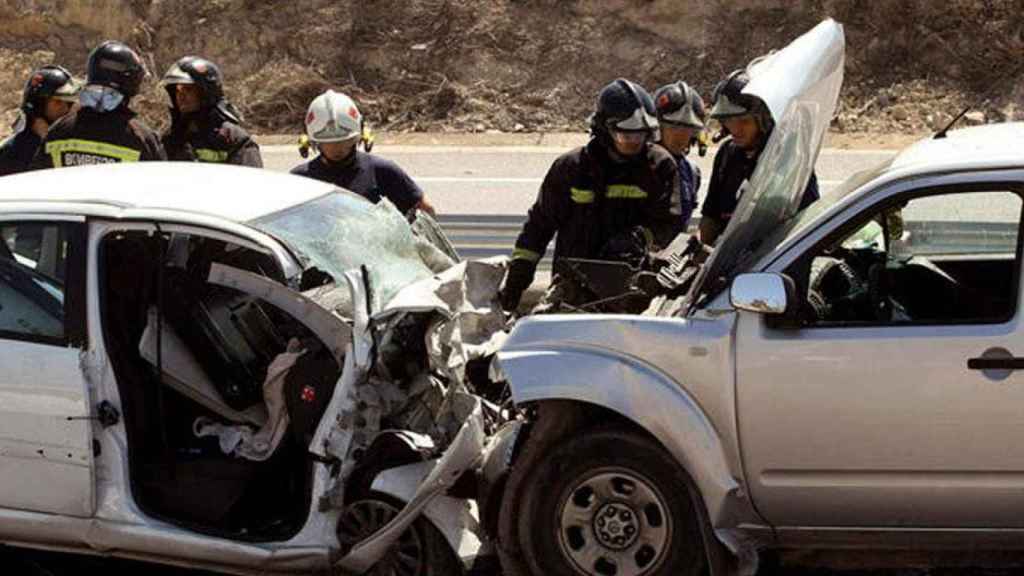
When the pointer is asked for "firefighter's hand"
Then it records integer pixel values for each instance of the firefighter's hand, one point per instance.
(518, 279)
(630, 245)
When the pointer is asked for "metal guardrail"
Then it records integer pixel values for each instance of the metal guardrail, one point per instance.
(484, 235)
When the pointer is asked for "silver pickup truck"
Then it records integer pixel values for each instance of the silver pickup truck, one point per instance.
(841, 377)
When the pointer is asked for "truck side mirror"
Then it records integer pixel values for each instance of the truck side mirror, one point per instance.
(763, 293)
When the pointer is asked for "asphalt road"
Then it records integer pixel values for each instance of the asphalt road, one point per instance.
(504, 180)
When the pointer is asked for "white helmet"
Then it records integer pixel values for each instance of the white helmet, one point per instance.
(333, 117)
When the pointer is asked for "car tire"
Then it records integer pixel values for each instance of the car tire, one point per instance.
(606, 503)
(421, 550)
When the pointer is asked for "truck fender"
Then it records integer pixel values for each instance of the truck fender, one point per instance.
(639, 392)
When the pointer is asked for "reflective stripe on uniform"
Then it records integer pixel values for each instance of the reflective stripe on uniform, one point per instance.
(524, 254)
(580, 196)
(626, 191)
(211, 155)
(57, 148)
(629, 191)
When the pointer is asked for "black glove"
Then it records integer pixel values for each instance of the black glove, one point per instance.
(518, 279)
(630, 245)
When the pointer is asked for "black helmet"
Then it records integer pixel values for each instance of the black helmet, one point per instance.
(48, 82)
(730, 101)
(199, 71)
(207, 76)
(115, 65)
(624, 106)
(680, 105)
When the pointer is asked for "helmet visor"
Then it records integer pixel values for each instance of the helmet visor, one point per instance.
(640, 120)
(333, 132)
(176, 76)
(68, 92)
(684, 116)
(735, 105)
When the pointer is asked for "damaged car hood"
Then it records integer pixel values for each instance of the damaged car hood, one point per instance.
(800, 86)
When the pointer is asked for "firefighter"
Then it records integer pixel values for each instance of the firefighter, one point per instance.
(681, 120)
(103, 129)
(49, 95)
(748, 123)
(614, 198)
(335, 127)
(205, 126)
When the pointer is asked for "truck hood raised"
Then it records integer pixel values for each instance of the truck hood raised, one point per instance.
(800, 86)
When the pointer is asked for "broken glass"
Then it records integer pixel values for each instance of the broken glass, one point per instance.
(342, 231)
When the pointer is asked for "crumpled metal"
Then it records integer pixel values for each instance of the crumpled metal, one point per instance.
(469, 321)
(464, 321)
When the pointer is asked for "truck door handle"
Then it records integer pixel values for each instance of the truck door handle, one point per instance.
(983, 363)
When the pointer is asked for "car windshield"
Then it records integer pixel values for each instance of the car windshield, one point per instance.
(341, 231)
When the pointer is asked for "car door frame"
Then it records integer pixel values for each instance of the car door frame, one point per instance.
(57, 442)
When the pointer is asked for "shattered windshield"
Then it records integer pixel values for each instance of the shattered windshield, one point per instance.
(341, 231)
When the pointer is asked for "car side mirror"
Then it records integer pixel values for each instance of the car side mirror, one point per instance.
(764, 293)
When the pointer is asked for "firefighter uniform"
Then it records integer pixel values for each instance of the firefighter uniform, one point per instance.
(205, 127)
(17, 152)
(86, 136)
(214, 139)
(587, 200)
(368, 175)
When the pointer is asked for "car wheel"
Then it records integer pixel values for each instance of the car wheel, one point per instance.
(421, 550)
(608, 503)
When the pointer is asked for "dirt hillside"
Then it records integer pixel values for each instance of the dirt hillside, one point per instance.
(526, 65)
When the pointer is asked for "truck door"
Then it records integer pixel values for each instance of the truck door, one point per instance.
(898, 401)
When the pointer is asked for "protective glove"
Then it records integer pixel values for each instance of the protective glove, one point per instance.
(517, 280)
(630, 245)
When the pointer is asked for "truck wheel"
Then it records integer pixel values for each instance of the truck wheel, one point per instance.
(608, 503)
(420, 551)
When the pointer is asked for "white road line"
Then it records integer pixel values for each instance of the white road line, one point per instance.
(466, 179)
(427, 149)
(471, 179)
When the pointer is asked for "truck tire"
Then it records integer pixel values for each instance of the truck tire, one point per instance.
(608, 502)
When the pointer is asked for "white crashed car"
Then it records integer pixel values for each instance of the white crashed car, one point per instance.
(236, 370)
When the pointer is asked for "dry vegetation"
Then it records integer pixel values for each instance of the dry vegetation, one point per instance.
(527, 65)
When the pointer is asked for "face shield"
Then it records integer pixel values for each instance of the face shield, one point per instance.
(68, 92)
(684, 117)
(175, 75)
(634, 130)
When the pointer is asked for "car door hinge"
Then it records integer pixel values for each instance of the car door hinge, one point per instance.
(106, 414)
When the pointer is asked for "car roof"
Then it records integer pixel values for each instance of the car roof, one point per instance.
(234, 193)
(979, 147)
